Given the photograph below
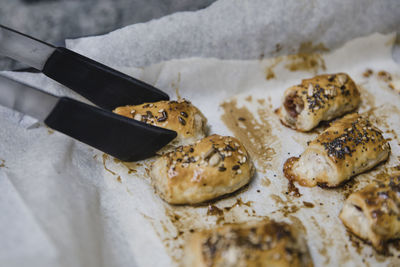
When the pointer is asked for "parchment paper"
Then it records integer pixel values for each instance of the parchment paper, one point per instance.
(65, 204)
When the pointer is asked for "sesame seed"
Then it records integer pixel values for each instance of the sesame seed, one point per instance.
(310, 90)
(214, 160)
(181, 120)
(222, 168)
(342, 79)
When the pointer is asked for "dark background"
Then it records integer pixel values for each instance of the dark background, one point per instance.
(57, 20)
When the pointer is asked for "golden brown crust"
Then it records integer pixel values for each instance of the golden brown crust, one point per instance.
(257, 244)
(321, 98)
(373, 213)
(212, 167)
(180, 116)
(348, 147)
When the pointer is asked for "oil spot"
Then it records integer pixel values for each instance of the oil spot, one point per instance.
(105, 158)
(287, 210)
(257, 137)
(175, 85)
(213, 210)
(261, 101)
(239, 203)
(367, 73)
(308, 58)
(326, 241)
(269, 71)
(385, 76)
(298, 224)
(277, 199)
(367, 99)
(265, 182)
(308, 204)
(132, 166)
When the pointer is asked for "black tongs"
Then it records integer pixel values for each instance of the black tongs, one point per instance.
(121, 137)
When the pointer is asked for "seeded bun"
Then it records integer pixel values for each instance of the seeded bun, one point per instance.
(351, 145)
(373, 212)
(212, 167)
(180, 116)
(320, 98)
(260, 244)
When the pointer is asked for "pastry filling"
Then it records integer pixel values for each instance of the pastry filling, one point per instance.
(294, 105)
(354, 218)
(316, 169)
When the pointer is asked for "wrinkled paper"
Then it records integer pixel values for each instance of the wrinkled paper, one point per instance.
(63, 203)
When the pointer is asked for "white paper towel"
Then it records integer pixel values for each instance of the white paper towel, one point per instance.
(70, 211)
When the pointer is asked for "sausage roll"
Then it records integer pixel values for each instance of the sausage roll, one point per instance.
(251, 245)
(180, 116)
(351, 145)
(321, 98)
(212, 167)
(373, 213)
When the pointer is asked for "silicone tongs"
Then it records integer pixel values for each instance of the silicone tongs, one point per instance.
(121, 137)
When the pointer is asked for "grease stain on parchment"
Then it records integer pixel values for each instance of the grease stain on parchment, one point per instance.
(392, 81)
(367, 98)
(174, 229)
(380, 116)
(180, 222)
(326, 242)
(308, 58)
(256, 136)
(132, 166)
(220, 212)
(175, 85)
(49, 130)
(269, 71)
(105, 158)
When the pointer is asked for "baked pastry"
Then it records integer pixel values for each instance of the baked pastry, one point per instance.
(212, 167)
(351, 145)
(321, 98)
(373, 213)
(180, 116)
(258, 244)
